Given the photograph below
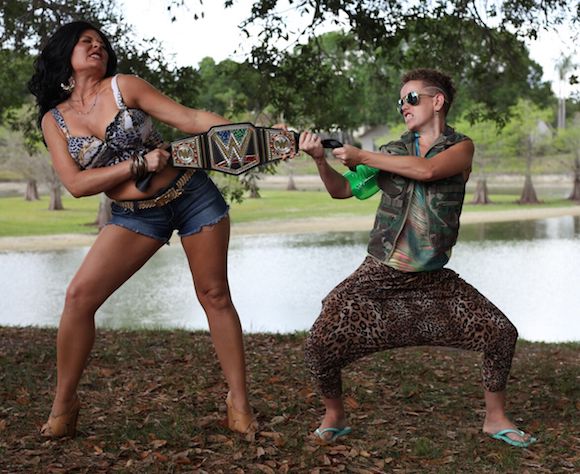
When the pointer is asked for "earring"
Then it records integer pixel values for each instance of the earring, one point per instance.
(69, 86)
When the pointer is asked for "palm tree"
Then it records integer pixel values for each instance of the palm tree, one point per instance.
(564, 66)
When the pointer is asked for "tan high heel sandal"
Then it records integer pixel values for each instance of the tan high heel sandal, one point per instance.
(63, 425)
(240, 421)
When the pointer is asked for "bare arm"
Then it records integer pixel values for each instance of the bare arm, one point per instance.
(79, 182)
(138, 93)
(336, 184)
(455, 160)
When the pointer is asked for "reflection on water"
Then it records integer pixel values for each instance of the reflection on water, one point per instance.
(555, 228)
(528, 269)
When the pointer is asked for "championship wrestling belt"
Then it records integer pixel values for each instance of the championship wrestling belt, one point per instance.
(234, 148)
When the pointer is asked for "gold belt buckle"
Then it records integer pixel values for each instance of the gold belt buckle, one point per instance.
(167, 197)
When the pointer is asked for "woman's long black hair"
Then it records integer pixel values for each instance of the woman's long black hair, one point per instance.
(53, 66)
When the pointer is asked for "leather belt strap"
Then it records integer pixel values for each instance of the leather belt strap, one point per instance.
(165, 198)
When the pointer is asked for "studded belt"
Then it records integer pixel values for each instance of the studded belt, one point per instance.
(164, 198)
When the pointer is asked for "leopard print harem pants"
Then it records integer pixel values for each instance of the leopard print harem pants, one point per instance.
(378, 308)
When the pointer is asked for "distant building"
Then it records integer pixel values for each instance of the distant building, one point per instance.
(367, 136)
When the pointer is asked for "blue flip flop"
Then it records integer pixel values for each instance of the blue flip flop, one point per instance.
(336, 433)
(503, 436)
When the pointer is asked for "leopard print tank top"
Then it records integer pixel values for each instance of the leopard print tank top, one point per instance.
(130, 132)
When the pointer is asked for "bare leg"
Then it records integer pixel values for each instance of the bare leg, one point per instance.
(116, 255)
(207, 255)
(495, 415)
(335, 416)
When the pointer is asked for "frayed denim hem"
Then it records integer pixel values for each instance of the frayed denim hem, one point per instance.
(162, 240)
(213, 222)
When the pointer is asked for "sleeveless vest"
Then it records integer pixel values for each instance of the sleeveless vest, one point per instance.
(444, 200)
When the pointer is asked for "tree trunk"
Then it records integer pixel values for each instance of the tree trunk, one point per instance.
(528, 193)
(254, 191)
(31, 193)
(481, 196)
(104, 212)
(575, 196)
(252, 184)
(291, 186)
(561, 113)
(55, 198)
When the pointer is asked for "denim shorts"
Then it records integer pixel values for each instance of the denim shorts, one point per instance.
(201, 204)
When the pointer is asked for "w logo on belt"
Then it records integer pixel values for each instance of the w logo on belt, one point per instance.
(233, 148)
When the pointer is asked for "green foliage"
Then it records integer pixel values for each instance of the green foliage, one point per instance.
(492, 65)
(486, 137)
(26, 26)
(526, 130)
(14, 73)
(231, 187)
(344, 83)
(335, 81)
(23, 155)
(514, 145)
(567, 139)
(235, 90)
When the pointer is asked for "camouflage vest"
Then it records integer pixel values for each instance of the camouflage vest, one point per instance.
(444, 200)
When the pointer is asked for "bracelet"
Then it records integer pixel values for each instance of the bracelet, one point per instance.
(139, 165)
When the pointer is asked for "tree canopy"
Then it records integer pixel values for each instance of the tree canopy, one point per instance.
(26, 25)
(479, 42)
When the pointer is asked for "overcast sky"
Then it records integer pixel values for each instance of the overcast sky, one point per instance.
(217, 35)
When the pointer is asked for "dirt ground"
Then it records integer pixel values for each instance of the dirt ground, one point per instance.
(153, 402)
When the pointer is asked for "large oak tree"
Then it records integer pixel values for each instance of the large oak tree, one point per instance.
(479, 42)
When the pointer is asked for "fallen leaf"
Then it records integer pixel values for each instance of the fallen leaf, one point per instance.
(160, 457)
(158, 443)
(351, 402)
(278, 419)
(264, 468)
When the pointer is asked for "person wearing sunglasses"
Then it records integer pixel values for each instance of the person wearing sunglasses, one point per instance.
(402, 295)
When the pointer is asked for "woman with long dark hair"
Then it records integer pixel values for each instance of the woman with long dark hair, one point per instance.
(98, 129)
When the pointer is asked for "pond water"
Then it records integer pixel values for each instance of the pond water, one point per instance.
(529, 269)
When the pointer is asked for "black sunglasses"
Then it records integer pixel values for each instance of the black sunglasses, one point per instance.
(412, 98)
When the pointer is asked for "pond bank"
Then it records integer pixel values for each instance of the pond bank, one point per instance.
(293, 226)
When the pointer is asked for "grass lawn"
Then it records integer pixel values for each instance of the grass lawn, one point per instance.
(21, 218)
(153, 402)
